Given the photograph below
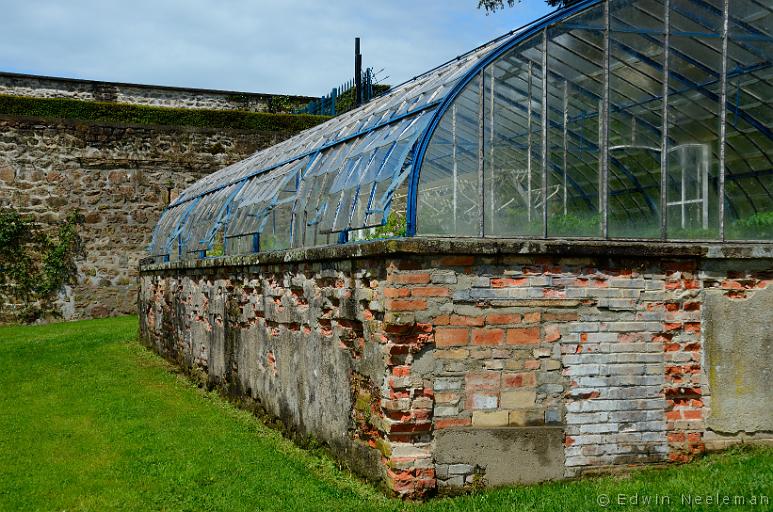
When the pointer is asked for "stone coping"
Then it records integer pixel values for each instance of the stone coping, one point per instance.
(480, 247)
(170, 88)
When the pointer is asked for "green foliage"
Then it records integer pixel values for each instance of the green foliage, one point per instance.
(64, 108)
(395, 226)
(495, 5)
(218, 245)
(345, 102)
(755, 227)
(35, 265)
(574, 225)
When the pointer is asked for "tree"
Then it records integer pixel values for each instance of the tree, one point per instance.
(494, 5)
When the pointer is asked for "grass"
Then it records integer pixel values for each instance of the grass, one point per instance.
(89, 420)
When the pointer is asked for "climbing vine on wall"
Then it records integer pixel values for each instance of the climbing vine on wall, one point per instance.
(35, 265)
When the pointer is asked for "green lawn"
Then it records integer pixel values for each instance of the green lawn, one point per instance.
(89, 420)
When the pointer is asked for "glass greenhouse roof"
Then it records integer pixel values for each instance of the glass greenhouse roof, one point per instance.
(610, 119)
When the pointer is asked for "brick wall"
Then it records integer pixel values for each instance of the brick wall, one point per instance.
(431, 342)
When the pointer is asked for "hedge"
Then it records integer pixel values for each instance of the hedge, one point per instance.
(119, 113)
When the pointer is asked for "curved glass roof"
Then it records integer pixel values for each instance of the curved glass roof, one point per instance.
(618, 119)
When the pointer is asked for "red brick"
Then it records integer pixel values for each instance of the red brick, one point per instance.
(441, 320)
(519, 380)
(673, 415)
(457, 261)
(470, 321)
(422, 278)
(728, 284)
(692, 306)
(407, 304)
(692, 284)
(503, 318)
(525, 335)
(486, 380)
(452, 422)
(692, 415)
(503, 282)
(401, 371)
(552, 333)
(532, 317)
(487, 336)
(393, 293)
(692, 326)
(409, 427)
(430, 291)
(449, 337)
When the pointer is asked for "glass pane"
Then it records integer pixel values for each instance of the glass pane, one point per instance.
(449, 189)
(513, 143)
(574, 92)
(693, 121)
(635, 120)
(749, 156)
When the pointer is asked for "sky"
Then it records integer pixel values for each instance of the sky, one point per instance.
(282, 46)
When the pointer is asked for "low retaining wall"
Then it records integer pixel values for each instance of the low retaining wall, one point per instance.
(429, 364)
(35, 86)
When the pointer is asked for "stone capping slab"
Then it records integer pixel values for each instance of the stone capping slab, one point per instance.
(171, 88)
(479, 247)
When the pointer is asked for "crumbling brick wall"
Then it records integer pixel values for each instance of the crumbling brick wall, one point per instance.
(422, 362)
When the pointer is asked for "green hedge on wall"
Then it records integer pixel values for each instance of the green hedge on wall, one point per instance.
(64, 108)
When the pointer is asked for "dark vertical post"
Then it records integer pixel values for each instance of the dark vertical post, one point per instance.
(664, 128)
(544, 149)
(357, 73)
(604, 133)
(723, 119)
(481, 149)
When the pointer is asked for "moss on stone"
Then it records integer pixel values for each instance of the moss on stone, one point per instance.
(118, 113)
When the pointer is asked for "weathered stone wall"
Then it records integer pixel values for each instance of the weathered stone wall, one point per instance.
(120, 178)
(138, 94)
(431, 364)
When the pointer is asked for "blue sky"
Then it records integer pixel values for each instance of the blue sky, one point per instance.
(280, 46)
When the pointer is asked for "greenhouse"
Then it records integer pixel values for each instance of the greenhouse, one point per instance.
(619, 119)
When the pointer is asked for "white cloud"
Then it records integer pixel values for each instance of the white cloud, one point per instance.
(289, 46)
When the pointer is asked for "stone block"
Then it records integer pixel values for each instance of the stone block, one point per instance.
(489, 418)
(518, 399)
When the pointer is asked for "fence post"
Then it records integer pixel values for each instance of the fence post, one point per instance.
(333, 95)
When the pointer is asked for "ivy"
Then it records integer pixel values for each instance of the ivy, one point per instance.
(34, 265)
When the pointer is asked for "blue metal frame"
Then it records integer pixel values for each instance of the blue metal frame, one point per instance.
(328, 145)
(459, 87)
(533, 30)
(467, 68)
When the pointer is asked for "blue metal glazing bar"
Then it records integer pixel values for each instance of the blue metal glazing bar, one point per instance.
(330, 144)
(459, 87)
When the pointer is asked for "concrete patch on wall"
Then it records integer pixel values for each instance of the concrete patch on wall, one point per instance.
(739, 340)
(499, 455)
